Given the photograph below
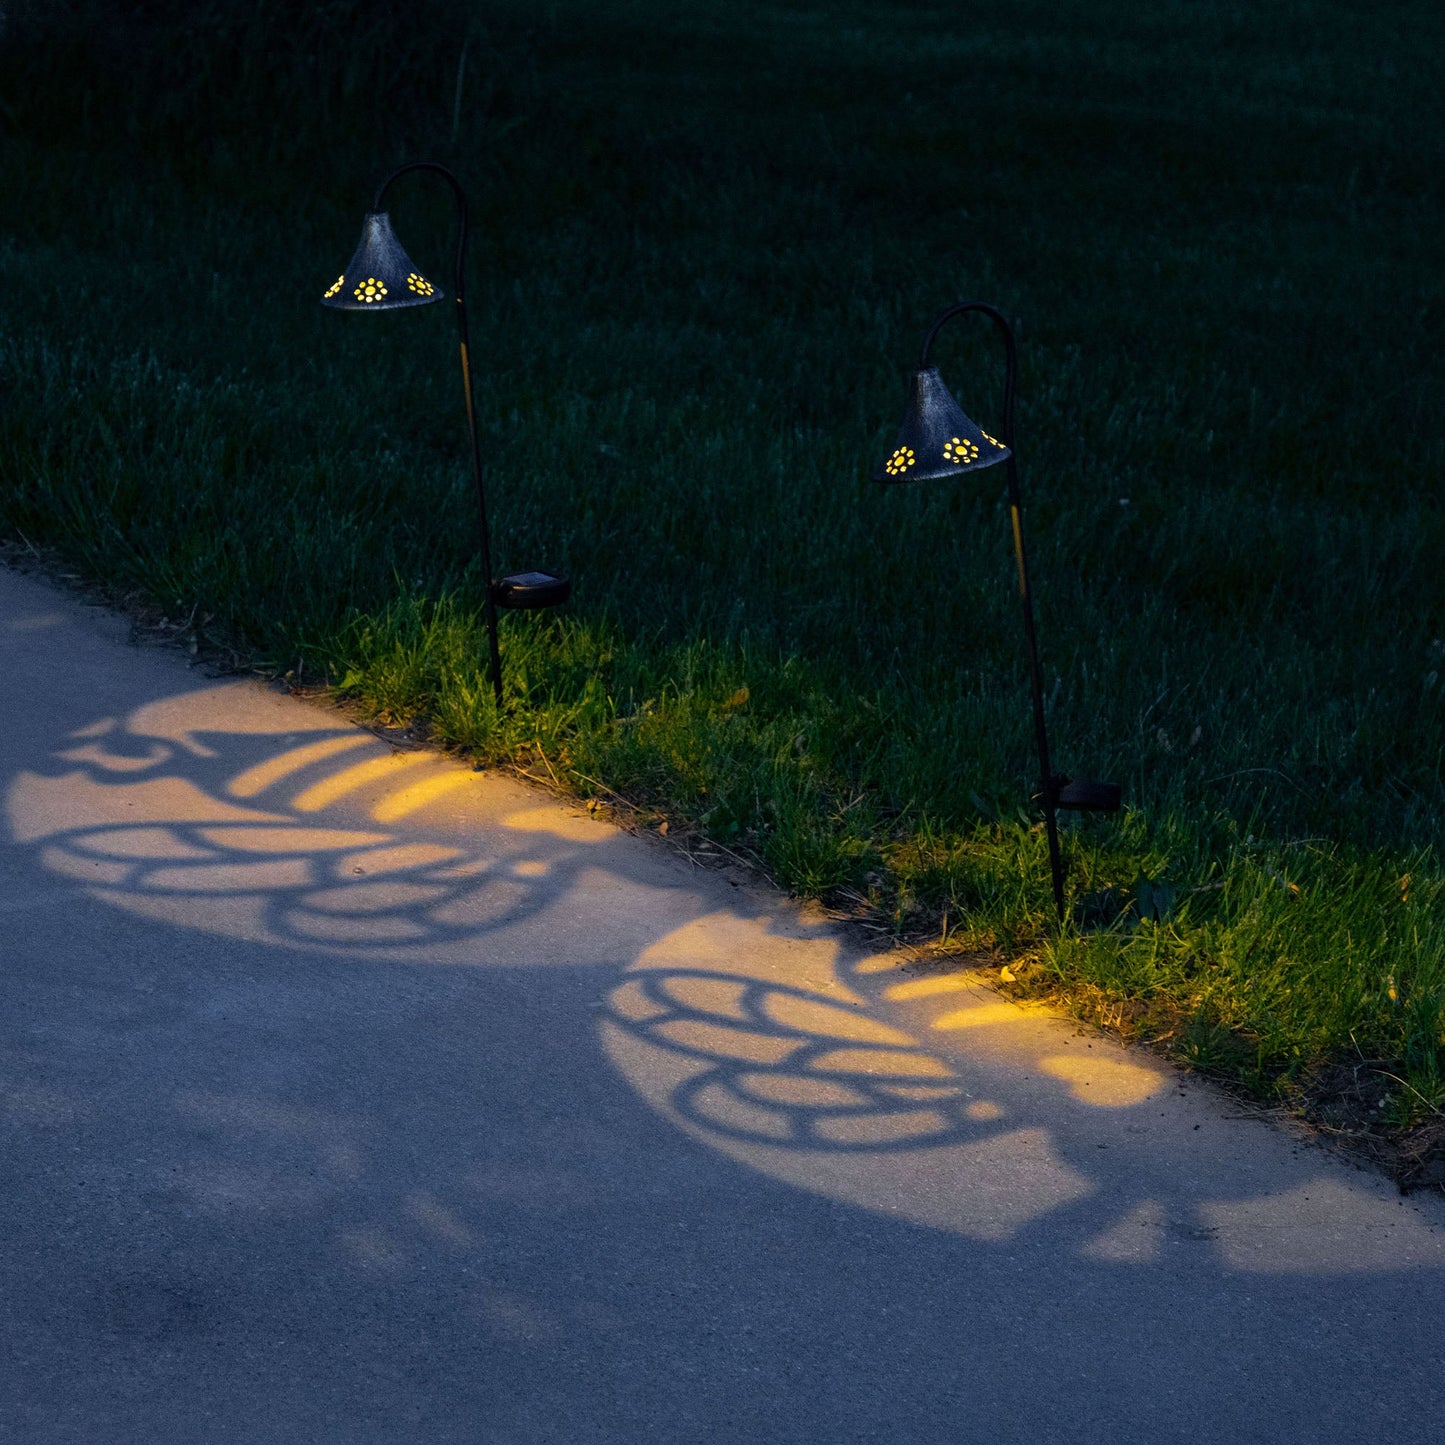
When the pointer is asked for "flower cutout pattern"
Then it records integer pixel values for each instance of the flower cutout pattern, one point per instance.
(960, 451)
(370, 290)
(333, 288)
(419, 284)
(899, 462)
(993, 441)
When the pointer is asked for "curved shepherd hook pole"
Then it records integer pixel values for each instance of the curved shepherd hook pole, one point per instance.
(382, 277)
(937, 440)
(1049, 783)
(459, 295)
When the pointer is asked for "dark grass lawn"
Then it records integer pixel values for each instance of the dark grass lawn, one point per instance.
(706, 244)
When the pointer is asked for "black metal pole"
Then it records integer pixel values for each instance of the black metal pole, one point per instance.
(1036, 676)
(460, 294)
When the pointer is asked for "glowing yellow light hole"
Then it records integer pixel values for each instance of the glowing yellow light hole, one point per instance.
(960, 451)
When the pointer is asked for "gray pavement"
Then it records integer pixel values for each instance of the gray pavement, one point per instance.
(348, 1095)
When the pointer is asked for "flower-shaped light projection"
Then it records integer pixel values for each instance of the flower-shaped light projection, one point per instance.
(419, 284)
(280, 828)
(333, 288)
(773, 1062)
(899, 462)
(960, 451)
(993, 441)
(370, 290)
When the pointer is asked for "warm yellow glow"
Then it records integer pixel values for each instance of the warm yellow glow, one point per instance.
(332, 289)
(349, 780)
(268, 839)
(750, 948)
(723, 1042)
(993, 440)
(930, 1100)
(231, 710)
(980, 1015)
(142, 843)
(565, 826)
(232, 877)
(720, 1105)
(917, 1092)
(879, 963)
(416, 796)
(363, 898)
(899, 462)
(720, 996)
(370, 290)
(817, 1018)
(400, 858)
(983, 1187)
(98, 754)
(483, 907)
(420, 284)
(258, 779)
(880, 1128)
(926, 987)
(802, 1093)
(631, 1002)
(1105, 1083)
(960, 451)
(881, 1061)
(40, 807)
(85, 870)
(473, 868)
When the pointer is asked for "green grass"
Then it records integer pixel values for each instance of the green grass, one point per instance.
(706, 245)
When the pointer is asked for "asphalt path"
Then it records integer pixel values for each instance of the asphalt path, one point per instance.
(350, 1095)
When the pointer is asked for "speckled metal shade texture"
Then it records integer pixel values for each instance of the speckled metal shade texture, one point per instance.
(381, 276)
(936, 438)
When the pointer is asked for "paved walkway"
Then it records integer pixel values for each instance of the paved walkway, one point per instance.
(347, 1095)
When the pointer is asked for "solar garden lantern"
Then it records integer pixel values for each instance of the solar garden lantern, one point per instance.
(938, 441)
(382, 277)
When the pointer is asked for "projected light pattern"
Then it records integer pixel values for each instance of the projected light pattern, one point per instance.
(235, 812)
(173, 816)
(776, 1063)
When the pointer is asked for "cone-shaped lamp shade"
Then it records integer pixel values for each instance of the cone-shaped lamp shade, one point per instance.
(381, 275)
(936, 438)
